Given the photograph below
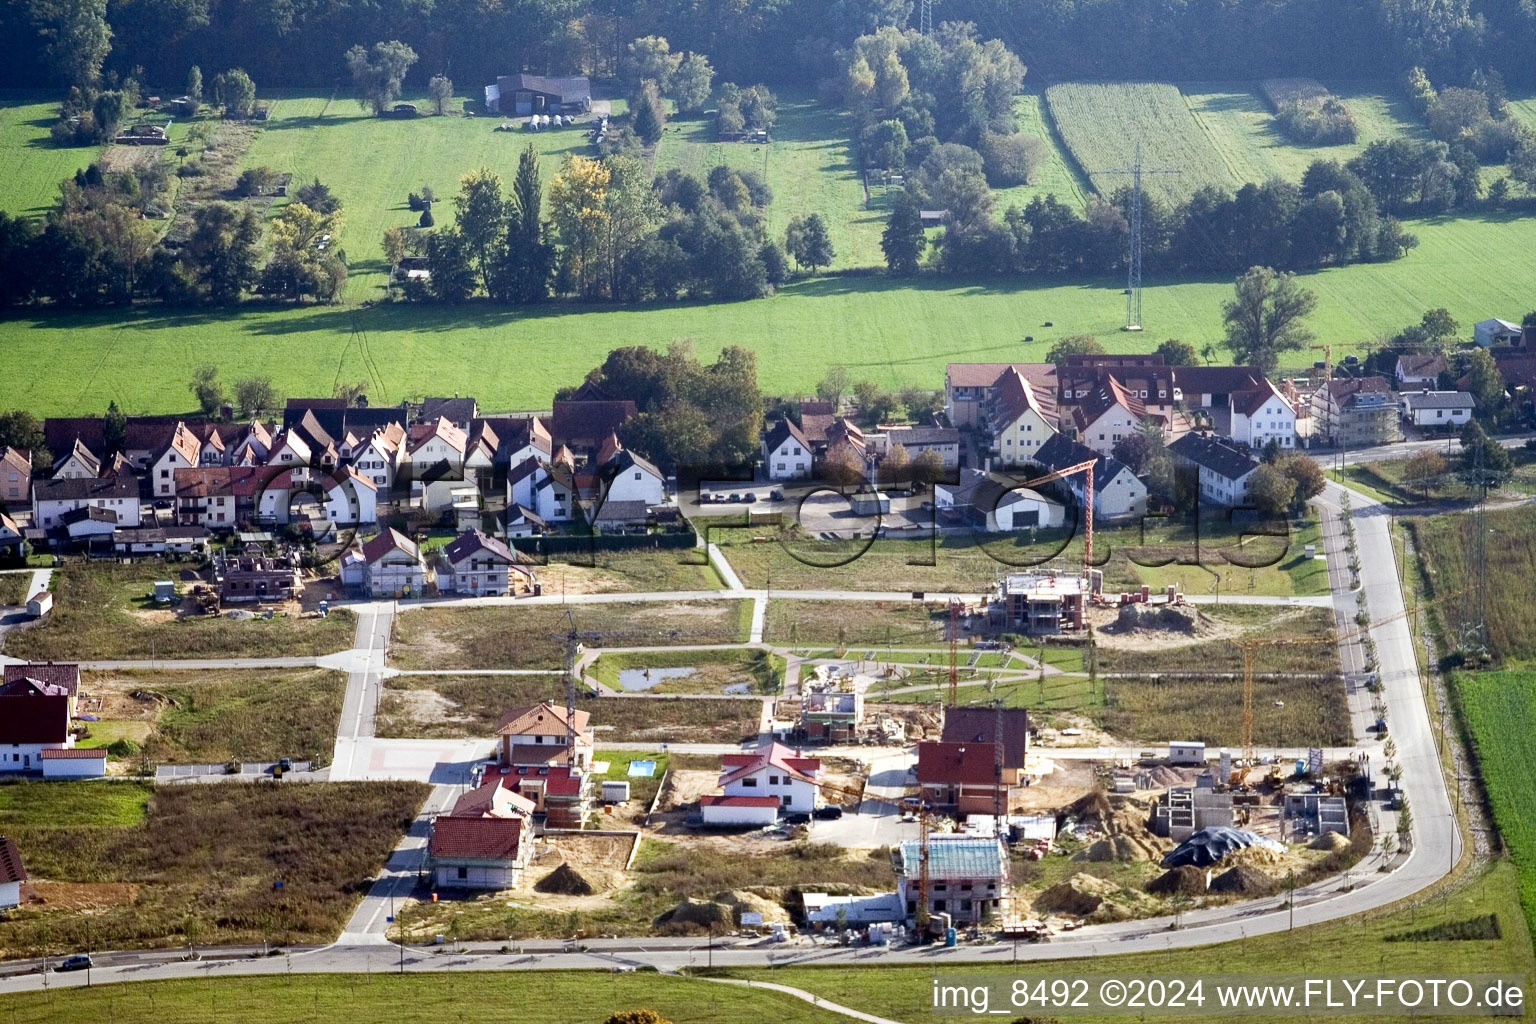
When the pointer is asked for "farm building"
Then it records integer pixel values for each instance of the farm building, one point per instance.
(1493, 332)
(1419, 370)
(537, 94)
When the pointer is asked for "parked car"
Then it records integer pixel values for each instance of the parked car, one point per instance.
(775, 495)
(736, 497)
(284, 764)
(797, 818)
(79, 962)
(750, 498)
(831, 812)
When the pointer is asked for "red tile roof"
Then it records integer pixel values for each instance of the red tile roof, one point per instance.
(557, 781)
(390, 540)
(738, 801)
(476, 838)
(547, 719)
(774, 755)
(11, 869)
(956, 763)
(52, 673)
(74, 754)
(494, 798)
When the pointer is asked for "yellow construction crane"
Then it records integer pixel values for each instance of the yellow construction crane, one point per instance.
(1249, 646)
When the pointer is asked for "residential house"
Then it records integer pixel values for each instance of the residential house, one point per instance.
(535, 737)
(34, 716)
(558, 792)
(380, 456)
(555, 490)
(1019, 417)
(494, 797)
(959, 772)
(151, 541)
(480, 566)
(478, 852)
(942, 441)
(1104, 413)
(522, 521)
(62, 433)
(521, 437)
(252, 446)
(1039, 603)
(984, 725)
(831, 714)
(393, 566)
(54, 499)
(1117, 492)
(523, 479)
(523, 94)
(1142, 375)
(786, 451)
(772, 771)
(461, 412)
(583, 424)
(12, 874)
(1224, 470)
(435, 456)
(212, 449)
(15, 478)
(629, 477)
(255, 577)
(290, 451)
(80, 463)
(1494, 333)
(480, 456)
(1260, 416)
(1210, 388)
(58, 677)
(1419, 370)
(993, 503)
(12, 537)
(967, 875)
(1437, 410)
(816, 418)
(968, 386)
(217, 497)
(1356, 412)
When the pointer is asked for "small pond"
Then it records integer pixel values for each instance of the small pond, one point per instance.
(634, 679)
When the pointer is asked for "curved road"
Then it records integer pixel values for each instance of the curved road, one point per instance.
(1436, 844)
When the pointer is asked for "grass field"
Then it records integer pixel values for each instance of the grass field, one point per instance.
(606, 571)
(1509, 590)
(909, 625)
(13, 587)
(100, 612)
(1239, 125)
(48, 805)
(242, 716)
(758, 670)
(31, 166)
(1057, 175)
(895, 333)
(458, 707)
(1103, 124)
(1054, 693)
(513, 637)
(203, 870)
(1500, 708)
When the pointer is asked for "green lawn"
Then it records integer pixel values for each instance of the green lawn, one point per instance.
(31, 166)
(48, 805)
(1057, 175)
(1055, 693)
(894, 333)
(373, 163)
(541, 997)
(1500, 708)
(100, 612)
(1239, 125)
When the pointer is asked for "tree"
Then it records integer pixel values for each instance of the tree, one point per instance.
(691, 82)
(1271, 491)
(195, 86)
(883, 146)
(927, 469)
(1308, 477)
(1485, 381)
(78, 38)
(632, 207)
(440, 91)
(210, 393)
(452, 273)
(842, 467)
(896, 467)
(235, 92)
(20, 429)
(904, 240)
(1423, 468)
(426, 220)
(651, 57)
(528, 260)
(1074, 345)
(482, 220)
(394, 245)
(318, 197)
(114, 430)
(299, 266)
(1177, 353)
(221, 252)
(255, 396)
(833, 385)
(578, 211)
(649, 116)
(1136, 450)
(1265, 317)
(807, 240)
(378, 75)
(1484, 462)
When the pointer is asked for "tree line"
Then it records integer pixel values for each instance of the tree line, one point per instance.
(775, 41)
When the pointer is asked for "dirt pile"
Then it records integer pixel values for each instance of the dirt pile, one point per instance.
(703, 913)
(1096, 899)
(1092, 806)
(1119, 848)
(1255, 856)
(1330, 841)
(1243, 880)
(564, 881)
(1140, 618)
(1186, 880)
(746, 901)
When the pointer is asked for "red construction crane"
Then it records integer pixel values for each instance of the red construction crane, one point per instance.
(1085, 468)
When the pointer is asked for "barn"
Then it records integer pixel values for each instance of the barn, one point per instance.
(537, 94)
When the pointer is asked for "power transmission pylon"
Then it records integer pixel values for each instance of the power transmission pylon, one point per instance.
(1474, 611)
(925, 16)
(1133, 269)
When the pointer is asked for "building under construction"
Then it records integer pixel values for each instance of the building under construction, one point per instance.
(1039, 603)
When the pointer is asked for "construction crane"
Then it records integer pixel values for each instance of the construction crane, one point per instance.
(1327, 351)
(1249, 646)
(954, 653)
(1085, 468)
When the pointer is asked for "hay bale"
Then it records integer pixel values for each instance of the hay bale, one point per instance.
(1186, 880)
(1243, 880)
(564, 881)
(1330, 841)
(704, 913)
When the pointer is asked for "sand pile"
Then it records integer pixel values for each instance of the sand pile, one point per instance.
(1079, 896)
(1138, 618)
(1092, 806)
(1257, 856)
(1330, 841)
(1119, 848)
(704, 913)
(1243, 880)
(745, 901)
(564, 881)
(1186, 880)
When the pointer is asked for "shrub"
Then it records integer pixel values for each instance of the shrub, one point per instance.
(426, 220)
(1010, 159)
(1328, 124)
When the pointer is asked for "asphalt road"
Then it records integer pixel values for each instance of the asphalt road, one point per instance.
(359, 709)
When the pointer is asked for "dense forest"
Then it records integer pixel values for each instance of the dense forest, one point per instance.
(294, 42)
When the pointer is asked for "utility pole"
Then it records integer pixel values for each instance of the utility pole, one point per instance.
(1133, 268)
